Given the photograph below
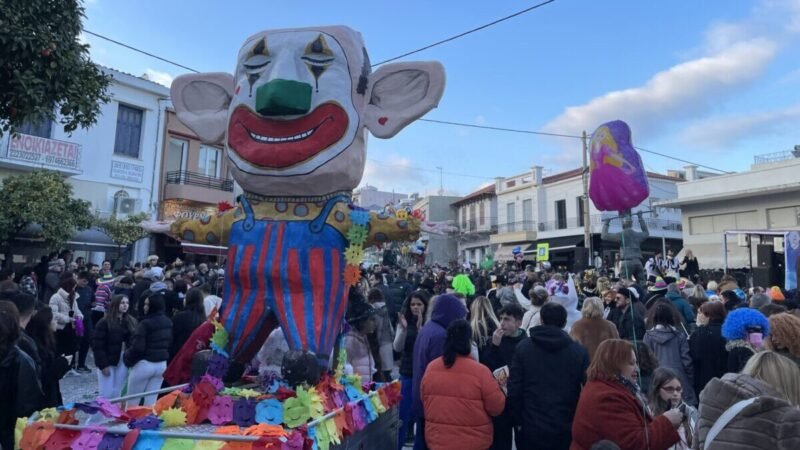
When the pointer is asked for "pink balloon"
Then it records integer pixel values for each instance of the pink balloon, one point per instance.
(617, 180)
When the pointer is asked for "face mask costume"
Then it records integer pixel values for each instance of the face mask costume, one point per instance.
(293, 118)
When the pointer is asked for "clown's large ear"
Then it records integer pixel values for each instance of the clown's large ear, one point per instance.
(201, 102)
(401, 93)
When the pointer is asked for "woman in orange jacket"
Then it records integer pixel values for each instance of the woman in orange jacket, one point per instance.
(459, 396)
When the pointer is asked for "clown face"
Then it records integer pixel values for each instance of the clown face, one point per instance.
(293, 107)
(293, 114)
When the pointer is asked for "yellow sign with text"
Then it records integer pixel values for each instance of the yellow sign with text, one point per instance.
(543, 252)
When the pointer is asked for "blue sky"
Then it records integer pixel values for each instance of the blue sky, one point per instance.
(714, 82)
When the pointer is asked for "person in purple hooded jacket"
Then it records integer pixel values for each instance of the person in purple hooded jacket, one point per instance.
(429, 346)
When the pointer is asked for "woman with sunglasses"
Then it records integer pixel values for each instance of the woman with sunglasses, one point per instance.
(665, 394)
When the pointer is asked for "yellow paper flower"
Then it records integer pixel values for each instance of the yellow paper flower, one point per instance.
(401, 214)
(248, 393)
(376, 403)
(48, 414)
(22, 422)
(173, 417)
(354, 254)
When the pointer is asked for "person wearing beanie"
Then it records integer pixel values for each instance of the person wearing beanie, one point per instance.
(712, 288)
(629, 320)
(446, 309)
(757, 301)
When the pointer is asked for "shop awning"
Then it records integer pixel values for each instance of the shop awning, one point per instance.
(506, 251)
(562, 243)
(200, 249)
(92, 239)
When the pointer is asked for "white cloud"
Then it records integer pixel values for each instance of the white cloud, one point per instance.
(731, 56)
(155, 76)
(480, 120)
(687, 89)
(726, 131)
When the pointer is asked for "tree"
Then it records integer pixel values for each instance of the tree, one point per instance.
(45, 68)
(124, 232)
(42, 198)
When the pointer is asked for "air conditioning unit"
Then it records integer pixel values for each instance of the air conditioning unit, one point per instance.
(125, 206)
(743, 239)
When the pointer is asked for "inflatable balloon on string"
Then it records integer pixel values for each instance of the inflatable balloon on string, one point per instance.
(617, 179)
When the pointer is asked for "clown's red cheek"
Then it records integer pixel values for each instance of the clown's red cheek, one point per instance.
(383, 120)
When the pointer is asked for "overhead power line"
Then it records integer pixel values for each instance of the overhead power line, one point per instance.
(130, 47)
(571, 136)
(441, 122)
(460, 35)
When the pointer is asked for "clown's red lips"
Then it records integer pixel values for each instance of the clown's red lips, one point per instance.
(279, 144)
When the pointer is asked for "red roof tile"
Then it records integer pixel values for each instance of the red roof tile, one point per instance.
(487, 191)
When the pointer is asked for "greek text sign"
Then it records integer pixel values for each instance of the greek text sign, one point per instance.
(126, 171)
(46, 152)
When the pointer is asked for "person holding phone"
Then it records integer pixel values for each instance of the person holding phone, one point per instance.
(665, 394)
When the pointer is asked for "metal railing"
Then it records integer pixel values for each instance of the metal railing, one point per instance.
(595, 221)
(770, 158)
(199, 179)
(475, 226)
(525, 225)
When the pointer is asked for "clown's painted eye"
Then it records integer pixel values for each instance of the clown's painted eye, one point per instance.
(318, 60)
(256, 62)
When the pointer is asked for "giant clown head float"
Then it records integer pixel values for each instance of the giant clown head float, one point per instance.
(293, 118)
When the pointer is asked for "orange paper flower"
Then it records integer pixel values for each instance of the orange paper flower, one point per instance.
(166, 402)
(351, 274)
(263, 429)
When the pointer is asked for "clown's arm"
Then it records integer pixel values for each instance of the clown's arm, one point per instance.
(214, 230)
(384, 229)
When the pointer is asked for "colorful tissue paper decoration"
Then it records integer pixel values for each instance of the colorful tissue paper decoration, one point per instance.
(281, 418)
(617, 178)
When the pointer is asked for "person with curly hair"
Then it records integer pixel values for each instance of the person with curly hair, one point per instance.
(784, 337)
(744, 330)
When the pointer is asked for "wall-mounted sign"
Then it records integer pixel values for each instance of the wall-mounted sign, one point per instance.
(46, 152)
(173, 210)
(127, 171)
(543, 252)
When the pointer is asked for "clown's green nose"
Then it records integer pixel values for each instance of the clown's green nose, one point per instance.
(283, 98)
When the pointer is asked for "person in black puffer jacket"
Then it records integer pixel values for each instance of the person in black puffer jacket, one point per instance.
(185, 322)
(111, 332)
(544, 384)
(19, 384)
(500, 353)
(149, 352)
(409, 321)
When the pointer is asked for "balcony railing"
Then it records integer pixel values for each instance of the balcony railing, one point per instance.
(475, 226)
(597, 220)
(198, 179)
(526, 225)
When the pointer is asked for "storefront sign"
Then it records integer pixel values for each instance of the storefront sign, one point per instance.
(173, 211)
(46, 152)
(126, 171)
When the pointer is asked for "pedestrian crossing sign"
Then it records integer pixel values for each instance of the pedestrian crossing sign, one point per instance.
(543, 252)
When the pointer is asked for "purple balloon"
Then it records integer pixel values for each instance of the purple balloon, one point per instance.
(617, 180)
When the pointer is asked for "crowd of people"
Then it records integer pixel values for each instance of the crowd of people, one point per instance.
(132, 320)
(555, 360)
(539, 359)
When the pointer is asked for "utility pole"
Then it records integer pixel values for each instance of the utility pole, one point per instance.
(441, 185)
(587, 233)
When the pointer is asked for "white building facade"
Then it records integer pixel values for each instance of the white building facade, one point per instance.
(476, 216)
(369, 197)
(533, 209)
(765, 198)
(114, 164)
